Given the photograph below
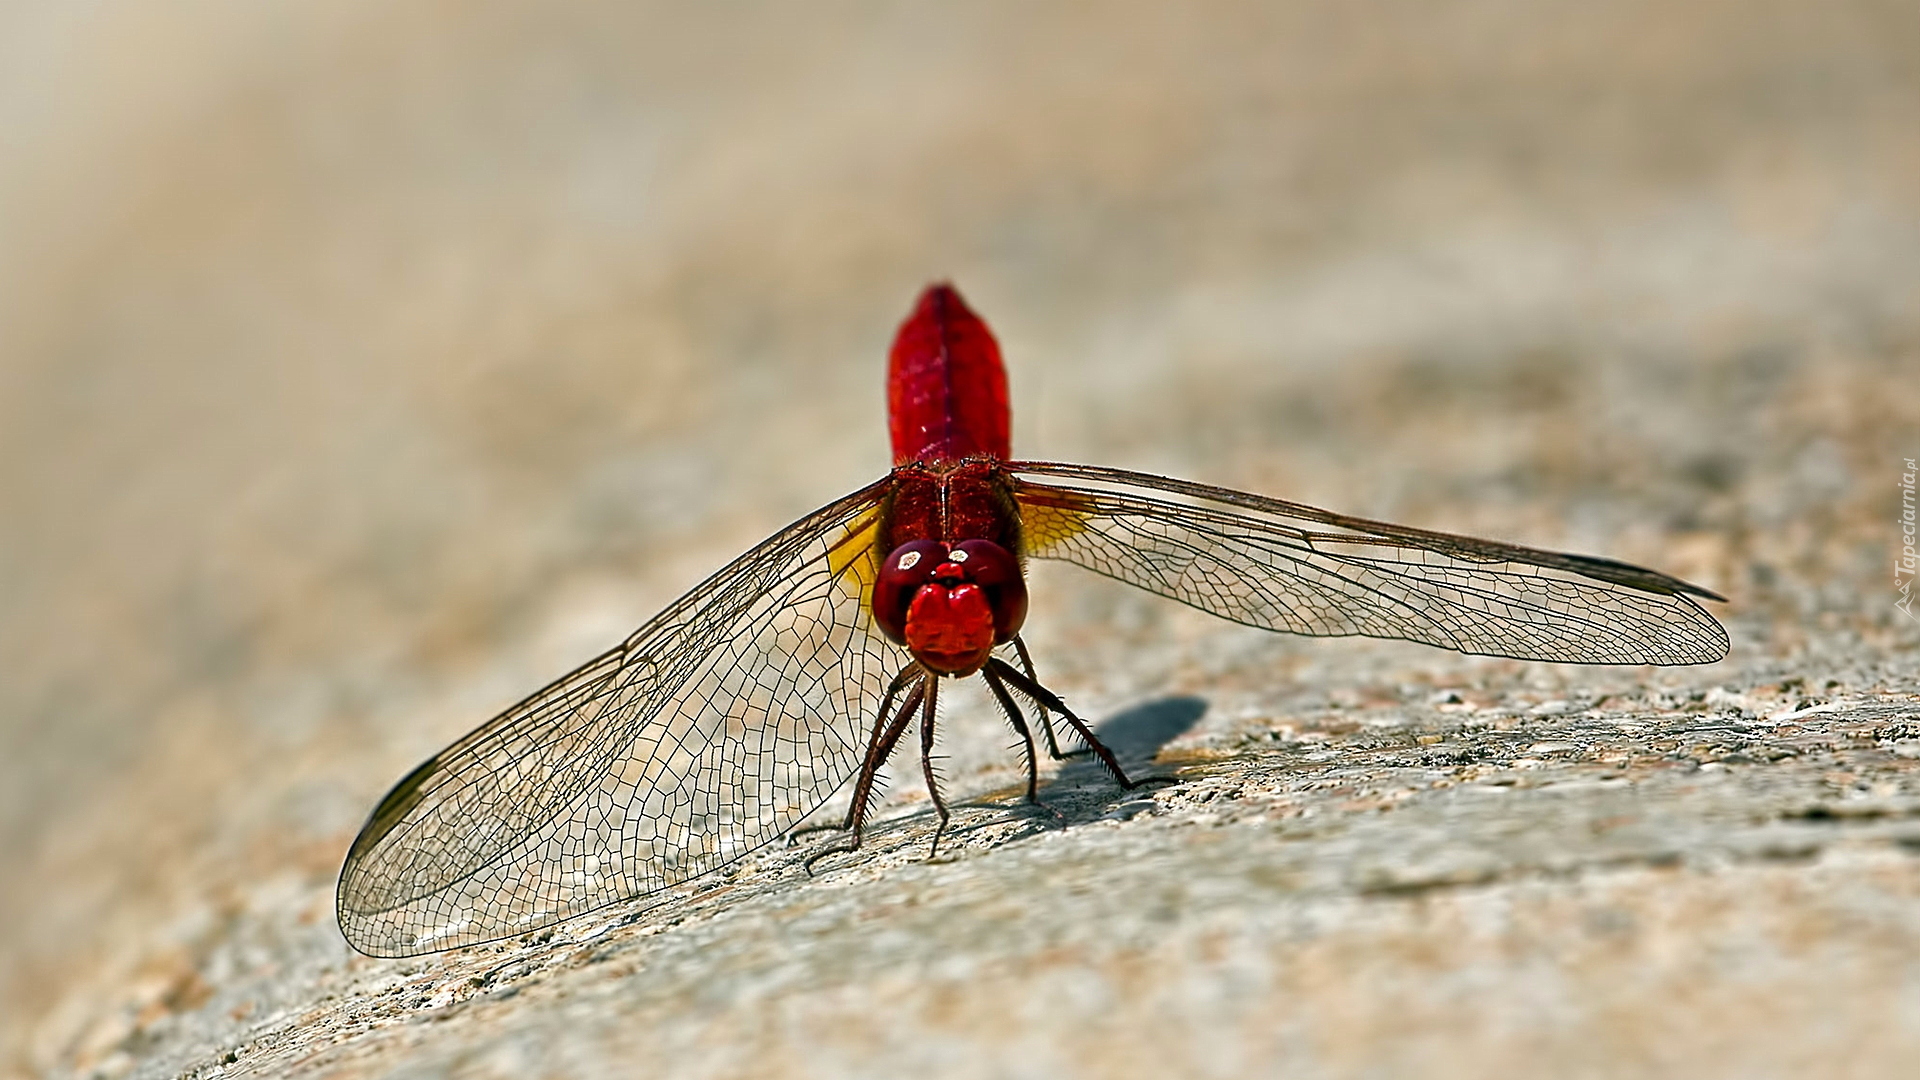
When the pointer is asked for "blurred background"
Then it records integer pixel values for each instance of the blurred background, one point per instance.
(364, 365)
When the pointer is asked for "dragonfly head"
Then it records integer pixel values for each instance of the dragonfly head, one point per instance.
(950, 604)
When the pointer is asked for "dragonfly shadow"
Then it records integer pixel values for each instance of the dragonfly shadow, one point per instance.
(1082, 790)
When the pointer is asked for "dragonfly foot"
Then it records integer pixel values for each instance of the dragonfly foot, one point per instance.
(793, 835)
(835, 849)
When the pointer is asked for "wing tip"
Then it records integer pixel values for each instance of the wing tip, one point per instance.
(1616, 572)
(392, 809)
(1691, 589)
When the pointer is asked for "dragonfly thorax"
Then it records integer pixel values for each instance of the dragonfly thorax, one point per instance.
(950, 604)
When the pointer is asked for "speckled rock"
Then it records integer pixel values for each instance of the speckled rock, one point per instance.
(366, 366)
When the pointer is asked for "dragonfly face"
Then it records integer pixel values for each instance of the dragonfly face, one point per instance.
(726, 720)
(950, 604)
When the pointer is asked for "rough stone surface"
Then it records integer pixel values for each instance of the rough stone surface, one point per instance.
(365, 365)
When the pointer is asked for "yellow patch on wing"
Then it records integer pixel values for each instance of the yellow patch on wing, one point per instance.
(854, 559)
(1050, 516)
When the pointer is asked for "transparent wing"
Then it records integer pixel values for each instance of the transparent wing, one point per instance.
(713, 729)
(1284, 566)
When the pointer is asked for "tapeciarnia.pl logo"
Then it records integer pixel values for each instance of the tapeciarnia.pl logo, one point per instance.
(1903, 566)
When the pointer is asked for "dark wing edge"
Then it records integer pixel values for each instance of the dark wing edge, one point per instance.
(708, 732)
(1249, 559)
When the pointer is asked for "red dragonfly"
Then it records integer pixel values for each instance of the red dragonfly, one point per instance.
(739, 710)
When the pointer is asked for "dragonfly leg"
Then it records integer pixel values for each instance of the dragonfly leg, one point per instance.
(1008, 706)
(926, 765)
(869, 773)
(873, 742)
(1046, 722)
(1048, 699)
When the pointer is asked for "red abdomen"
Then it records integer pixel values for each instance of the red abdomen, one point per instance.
(946, 388)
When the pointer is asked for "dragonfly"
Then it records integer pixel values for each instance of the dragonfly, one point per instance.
(729, 718)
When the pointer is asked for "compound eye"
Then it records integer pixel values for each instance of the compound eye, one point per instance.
(904, 570)
(995, 570)
(986, 562)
